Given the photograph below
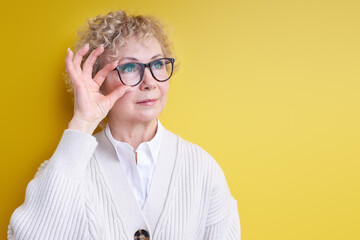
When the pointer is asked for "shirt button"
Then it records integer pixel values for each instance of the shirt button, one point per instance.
(141, 234)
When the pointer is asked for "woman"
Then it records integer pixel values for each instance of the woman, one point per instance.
(134, 179)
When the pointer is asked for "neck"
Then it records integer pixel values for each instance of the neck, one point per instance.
(132, 133)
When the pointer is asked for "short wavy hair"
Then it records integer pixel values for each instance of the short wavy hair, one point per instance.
(112, 30)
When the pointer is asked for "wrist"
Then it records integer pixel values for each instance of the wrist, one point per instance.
(82, 125)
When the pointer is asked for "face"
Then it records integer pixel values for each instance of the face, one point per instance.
(148, 99)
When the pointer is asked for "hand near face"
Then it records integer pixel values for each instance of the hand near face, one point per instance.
(90, 106)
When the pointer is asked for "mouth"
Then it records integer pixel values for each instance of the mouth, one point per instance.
(147, 102)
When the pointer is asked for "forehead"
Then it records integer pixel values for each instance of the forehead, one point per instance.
(141, 49)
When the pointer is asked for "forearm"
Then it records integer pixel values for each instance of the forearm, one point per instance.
(54, 206)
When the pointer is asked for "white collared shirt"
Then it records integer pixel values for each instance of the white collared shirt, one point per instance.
(138, 174)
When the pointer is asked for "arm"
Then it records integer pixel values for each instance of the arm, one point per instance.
(223, 218)
(55, 206)
(228, 228)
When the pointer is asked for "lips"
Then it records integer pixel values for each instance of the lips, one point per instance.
(147, 101)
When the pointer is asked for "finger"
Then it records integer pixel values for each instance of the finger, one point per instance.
(79, 55)
(70, 65)
(101, 75)
(90, 61)
(118, 93)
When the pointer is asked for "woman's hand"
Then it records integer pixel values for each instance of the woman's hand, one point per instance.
(90, 106)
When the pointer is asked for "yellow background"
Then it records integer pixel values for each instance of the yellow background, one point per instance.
(269, 88)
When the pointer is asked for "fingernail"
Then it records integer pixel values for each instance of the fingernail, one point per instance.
(130, 89)
(68, 50)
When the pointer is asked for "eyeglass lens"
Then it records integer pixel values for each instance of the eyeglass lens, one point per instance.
(131, 73)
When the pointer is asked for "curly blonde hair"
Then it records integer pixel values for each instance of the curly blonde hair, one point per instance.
(112, 30)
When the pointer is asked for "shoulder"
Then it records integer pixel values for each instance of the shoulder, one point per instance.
(198, 165)
(193, 150)
(199, 159)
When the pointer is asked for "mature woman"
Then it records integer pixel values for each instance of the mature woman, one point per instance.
(134, 179)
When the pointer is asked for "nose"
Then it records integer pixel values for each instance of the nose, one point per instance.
(148, 82)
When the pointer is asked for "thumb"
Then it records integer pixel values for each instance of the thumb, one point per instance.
(118, 93)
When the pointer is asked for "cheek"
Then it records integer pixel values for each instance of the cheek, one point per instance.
(128, 98)
(164, 93)
(164, 90)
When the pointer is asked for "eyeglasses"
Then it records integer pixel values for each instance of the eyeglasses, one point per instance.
(132, 73)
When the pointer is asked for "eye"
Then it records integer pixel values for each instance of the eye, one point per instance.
(158, 64)
(126, 68)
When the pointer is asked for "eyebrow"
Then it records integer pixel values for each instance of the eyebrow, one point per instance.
(135, 59)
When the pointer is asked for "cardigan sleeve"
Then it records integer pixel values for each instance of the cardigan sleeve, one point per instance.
(226, 229)
(223, 222)
(55, 206)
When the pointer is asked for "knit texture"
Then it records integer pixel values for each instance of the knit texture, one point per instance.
(70, 199)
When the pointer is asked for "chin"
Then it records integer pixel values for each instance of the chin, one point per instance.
(148, 114)
(137, 114)
(149, 117)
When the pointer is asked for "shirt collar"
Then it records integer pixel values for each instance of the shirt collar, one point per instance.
(153, 144)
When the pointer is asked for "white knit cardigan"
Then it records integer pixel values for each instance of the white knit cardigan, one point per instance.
(70, 197)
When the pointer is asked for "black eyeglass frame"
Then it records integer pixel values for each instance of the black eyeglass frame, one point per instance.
(145, 65)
